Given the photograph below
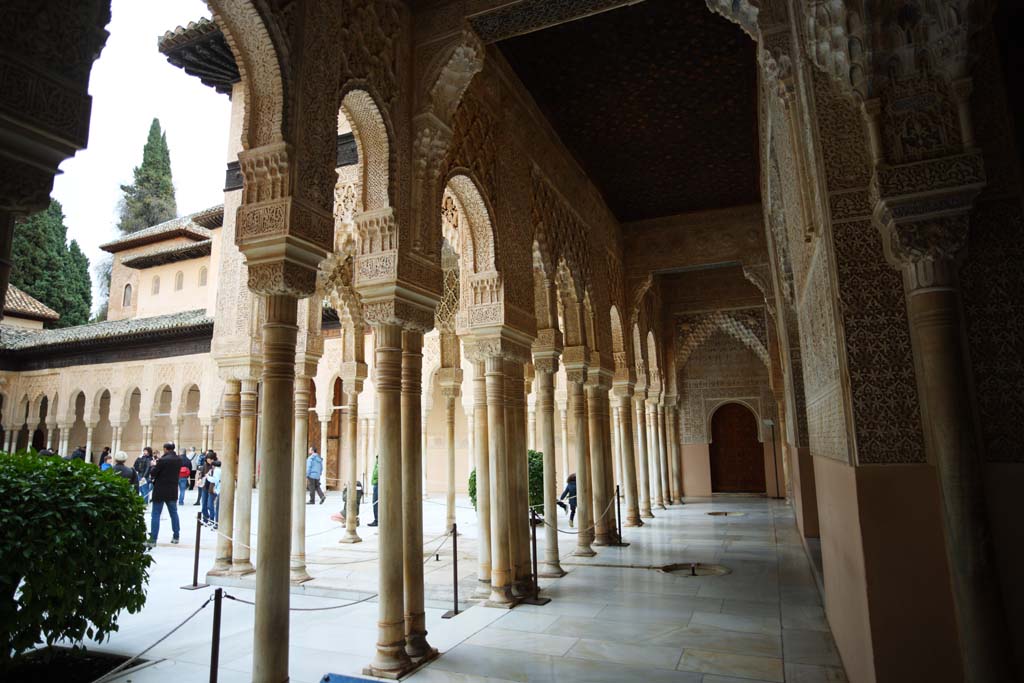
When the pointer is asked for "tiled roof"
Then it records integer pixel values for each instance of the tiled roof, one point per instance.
(171, 254)
(13, 339)
(20, 304)
(184, 226)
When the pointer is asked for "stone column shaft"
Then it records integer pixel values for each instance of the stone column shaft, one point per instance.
(391, 657)
(564, 418)
(624, 410)
(531, 428)
(300, 435)
(654, 454)
(271, 619)
(545, 411)
(483, 480)
(240, 557)
(88, 443)
(449, 419)
(583, 500)
(501, 571)
(412, 493)
(599, 462)
(228, 466)
(350, 458)
(644, 482)
(519, 477)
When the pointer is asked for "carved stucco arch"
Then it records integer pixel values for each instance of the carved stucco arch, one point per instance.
(653, 366)
(449, 74)
(259, 66)
(710, 323)
(373, 144)
(477, 231)
(620, 343)
(570, 299)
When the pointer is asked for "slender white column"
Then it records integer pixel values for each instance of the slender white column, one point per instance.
(325, 426)
(351, 457)
(666, 477)
(564, 418)
(616, 445)
(545, 410)
(449, 418)
(501, 575)
(644, 482)
(88, 442)
(271, 617)
(424, 421)
(629, 484)
(483, 481)
(391, 658)
(531, 428)
(518, 477)
(597, 423)
(240, 557)
(300, 435)
(470, 441)
(584, 537)
(228, 465)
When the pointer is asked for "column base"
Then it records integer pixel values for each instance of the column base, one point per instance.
(298, 575)
(394, 675)
(501, 597)
(350, 537)
(550, 570)
(220, 568)
(241, 568)
(418, 648)
(482, 590)
(661, 506)
(647, 514)
(602, 540)
(584, 552)
(636, 521)
(523, 588)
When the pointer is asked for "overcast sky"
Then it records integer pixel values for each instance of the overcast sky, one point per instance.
(131, 83)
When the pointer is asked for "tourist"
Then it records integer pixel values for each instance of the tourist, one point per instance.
(373, 481)
(104, 456)
(314, 470)
(78, 454)
(198, 461)
(570, 491)
(211, 487)
(344, 503)
(125, 471)
(166, 474)
(105, 461)
(143, 465)
(185, 473)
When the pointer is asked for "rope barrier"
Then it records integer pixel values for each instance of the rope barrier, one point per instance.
(590, 528)
(306, 609)
(124, 665)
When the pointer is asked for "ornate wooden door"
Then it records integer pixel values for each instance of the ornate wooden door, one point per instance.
(737, 457)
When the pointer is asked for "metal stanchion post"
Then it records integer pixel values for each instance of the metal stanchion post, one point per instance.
(195, 567)
(455, 574)
(618, 542)
(535, 599)
(218, 595)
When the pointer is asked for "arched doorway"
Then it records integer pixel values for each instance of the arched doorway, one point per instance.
(737, 458)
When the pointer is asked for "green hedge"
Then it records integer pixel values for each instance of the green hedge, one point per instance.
(536, 478)
(72, 551)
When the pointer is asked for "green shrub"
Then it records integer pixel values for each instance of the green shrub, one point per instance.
(536, 477)
(72, 552)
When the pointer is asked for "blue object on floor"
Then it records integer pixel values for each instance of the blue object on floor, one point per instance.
(341, 678)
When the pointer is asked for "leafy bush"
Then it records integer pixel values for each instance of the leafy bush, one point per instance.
(72, 552)
(536, 476)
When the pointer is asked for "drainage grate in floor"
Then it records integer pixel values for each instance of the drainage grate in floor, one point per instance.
(695, 569)
(723, 513)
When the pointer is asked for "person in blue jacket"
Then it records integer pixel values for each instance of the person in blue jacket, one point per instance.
(570, 493)
(314, 471)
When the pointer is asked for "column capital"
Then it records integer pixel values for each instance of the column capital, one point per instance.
(623, 389)
(600, 378)
(507, 344)
(450, 381)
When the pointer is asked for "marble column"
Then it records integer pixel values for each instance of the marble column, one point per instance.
(629, 484)
(470, 440)
(668, 471)
(575, 379)
(674, 452)
(271, 618)
(531, 427)
(928, 265)
(372, 450)
(515, 426)
(450, 398)
(50, 429)
(501, 572)
(598, 461)
(350, 458)
(564, 419)
(240, 556)
(300, 435)
(545, 411)
(228, 465)
(416, 646)
(642, 459)
(616, 444)
(65, 438)
(424, 444)
(654, 453)
(483, 481)
(325, 426)
(88, 442)
(391, 658)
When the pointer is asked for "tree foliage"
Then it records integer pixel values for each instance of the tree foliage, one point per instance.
(536, 478)
(150, 199)
(48, 268)
(66, 570)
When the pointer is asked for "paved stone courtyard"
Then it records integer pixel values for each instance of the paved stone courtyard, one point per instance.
(606, 622)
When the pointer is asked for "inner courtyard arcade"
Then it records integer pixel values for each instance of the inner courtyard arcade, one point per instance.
(686, 249)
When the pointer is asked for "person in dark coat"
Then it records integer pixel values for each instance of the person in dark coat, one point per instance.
(570, 493)
(165, 475)
(143, 465)
(124, 471)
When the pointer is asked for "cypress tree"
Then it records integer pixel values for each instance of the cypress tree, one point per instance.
(150, 199)
(47, 268)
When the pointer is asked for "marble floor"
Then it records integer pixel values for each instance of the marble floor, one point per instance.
(606, 622)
